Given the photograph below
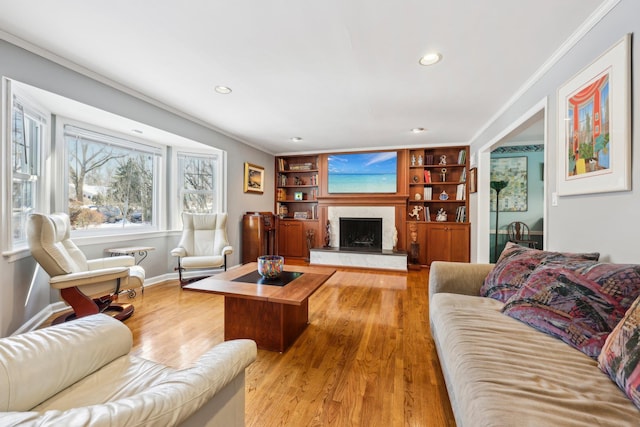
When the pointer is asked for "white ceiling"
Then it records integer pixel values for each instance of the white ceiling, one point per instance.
(341, 74)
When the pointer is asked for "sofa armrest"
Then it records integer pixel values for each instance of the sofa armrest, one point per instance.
(457, 277)
(169, 403)
(227, 250)
(39, 364)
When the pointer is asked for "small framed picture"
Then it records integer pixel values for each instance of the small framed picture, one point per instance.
(253, 178)
(297, 195)
(300, 215)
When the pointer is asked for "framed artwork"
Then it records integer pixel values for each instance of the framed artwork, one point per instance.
(473, 180)
(253, 178)
(594, 137)
(513, 198)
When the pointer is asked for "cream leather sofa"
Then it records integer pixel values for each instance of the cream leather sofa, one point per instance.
(501, 372)
(80, 373)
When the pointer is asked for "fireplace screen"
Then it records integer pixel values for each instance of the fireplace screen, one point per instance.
(361, 234)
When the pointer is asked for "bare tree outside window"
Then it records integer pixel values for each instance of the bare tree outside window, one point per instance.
(109, 184)
(197, 190)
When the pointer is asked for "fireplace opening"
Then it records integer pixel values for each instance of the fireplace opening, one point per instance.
(361, 234)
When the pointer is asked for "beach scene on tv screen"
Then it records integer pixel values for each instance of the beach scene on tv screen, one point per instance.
(363, 172)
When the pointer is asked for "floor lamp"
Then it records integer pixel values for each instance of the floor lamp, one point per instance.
(498, 186)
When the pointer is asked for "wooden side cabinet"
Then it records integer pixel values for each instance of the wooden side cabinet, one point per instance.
(447, 241)
(292, 237)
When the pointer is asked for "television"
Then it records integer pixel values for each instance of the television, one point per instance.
(375, 172)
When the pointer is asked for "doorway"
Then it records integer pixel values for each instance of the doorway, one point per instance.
(519, 153)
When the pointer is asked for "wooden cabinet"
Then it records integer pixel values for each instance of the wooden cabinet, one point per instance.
(437, 203)
(447, 242)
(290, 238)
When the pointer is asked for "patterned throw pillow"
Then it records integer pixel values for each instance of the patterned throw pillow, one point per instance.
(581, 307)
(620, 356)
(517, 262)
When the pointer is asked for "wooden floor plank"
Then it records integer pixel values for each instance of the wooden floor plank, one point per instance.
(366, 358)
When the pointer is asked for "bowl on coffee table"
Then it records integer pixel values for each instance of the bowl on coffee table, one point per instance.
(270, 266)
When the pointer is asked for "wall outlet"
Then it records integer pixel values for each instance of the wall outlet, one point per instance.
(554, 199)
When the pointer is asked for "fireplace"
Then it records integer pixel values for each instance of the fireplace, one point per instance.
(361, 234)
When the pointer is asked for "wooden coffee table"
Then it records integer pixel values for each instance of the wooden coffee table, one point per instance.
(273, 316)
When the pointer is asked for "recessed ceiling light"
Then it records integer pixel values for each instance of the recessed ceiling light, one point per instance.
(223, 89)
(417, 130)
(296, 139)
(430, 58)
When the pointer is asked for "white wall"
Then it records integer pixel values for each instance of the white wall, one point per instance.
(20, 299)
(599, 222)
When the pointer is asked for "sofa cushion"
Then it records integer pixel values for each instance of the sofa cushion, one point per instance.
(580, 307)
(517, 262)
(620, 356)
(500, 372)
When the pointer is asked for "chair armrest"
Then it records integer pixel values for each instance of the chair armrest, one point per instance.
(179, 252)
(113, 261)
(88, 277)
(457, 277)
(227, 250)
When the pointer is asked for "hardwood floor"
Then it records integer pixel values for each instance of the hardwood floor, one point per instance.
(366, 358)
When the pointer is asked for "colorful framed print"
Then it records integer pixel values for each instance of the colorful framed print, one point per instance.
(594, 137)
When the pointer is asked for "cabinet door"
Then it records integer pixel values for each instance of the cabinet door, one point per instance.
(291, 242)
(438, 243)
(447, 242)
(459, 243)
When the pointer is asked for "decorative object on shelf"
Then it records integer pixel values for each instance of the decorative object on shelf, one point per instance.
(498, 186)
(418, 196)
(297, 180)
(444, 195)
(415, 212)
(419, 159)
(253, 178)
(443, 159)
(473, 180)
(301, 215)
(594, 142)
(414, 259)
(327, 235)
(297, 195)
(413, 160)
(311, 235)
(443, 174)
(270, 266)
(395, 239)
(441, 216)
(415, 179)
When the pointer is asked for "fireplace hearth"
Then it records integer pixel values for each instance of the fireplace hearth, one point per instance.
(360, 234)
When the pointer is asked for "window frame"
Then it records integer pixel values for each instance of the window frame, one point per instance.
(36, 112)
(159, 152)
(213, 155)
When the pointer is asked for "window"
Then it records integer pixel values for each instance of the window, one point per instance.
(110, 181)
(27, 135)
(198, 185)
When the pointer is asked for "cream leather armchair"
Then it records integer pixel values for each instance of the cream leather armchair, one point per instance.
(77, 278)
(204, 243)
